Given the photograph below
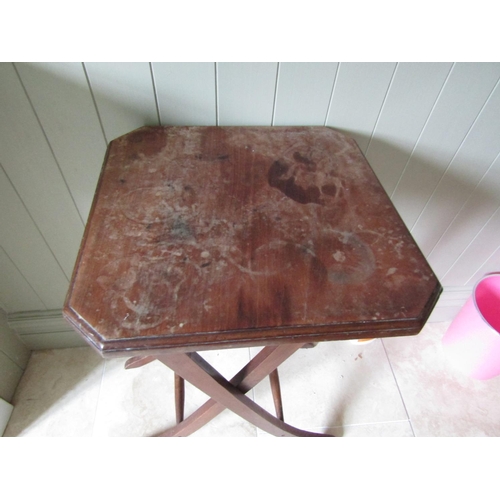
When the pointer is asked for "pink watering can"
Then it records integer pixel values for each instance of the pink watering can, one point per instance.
(472, 342)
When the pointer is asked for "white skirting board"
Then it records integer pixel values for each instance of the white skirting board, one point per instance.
(48, 329)
(44, 330)
(5, 412)
(451, 301)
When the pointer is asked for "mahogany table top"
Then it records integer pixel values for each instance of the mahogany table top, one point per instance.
(210, 237)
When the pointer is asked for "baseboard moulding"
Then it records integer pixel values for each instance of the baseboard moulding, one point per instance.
(44, 330)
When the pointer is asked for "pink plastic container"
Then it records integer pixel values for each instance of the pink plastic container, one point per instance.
(472, 342)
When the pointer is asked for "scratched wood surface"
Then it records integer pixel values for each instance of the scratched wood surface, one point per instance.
(210, 237)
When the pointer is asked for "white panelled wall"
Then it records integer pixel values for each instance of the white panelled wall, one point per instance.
(431, 132)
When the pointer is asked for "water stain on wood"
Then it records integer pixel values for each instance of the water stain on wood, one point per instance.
(205, 230)
(287, 185)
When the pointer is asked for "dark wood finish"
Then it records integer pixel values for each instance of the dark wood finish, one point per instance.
(179, 398)
(197, 371)
(276, 391)
(248, 377)
(138, 361)
(217, 237)
(209, 237)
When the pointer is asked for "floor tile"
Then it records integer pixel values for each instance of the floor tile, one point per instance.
(137, 402)
(140, 402)
(226, 425)
(340, 388)
(383, 430)
(336, 384)
(58, 394)
(440, 400)
(380, 430)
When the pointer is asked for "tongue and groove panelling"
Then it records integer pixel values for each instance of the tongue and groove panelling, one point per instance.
(431, 132)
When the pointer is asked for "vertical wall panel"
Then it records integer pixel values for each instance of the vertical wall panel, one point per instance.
(61, 97)
(26, 248)
(15, 292)
(492, 265)
(476, 212)
(413, 92)
(10, 374)
(472, 160)
(430, 129)
(30, 165)
(360, 90)
(186, 93)
(124, 95)
(11, 345)
(246, 93)
(462, 98)
(303, 94)
(14, 357)
(482, 247)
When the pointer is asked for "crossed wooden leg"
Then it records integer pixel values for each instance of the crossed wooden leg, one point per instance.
(228, 394)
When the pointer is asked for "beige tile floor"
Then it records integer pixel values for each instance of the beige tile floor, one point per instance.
(398, 387)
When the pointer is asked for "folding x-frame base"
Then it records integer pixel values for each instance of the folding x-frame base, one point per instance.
(227, 393)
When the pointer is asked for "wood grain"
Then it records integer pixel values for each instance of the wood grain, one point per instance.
(209, 237)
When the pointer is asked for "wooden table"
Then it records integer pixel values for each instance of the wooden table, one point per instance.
(221, 237)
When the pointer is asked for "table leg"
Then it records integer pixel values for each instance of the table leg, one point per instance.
(179, 398)
(138, 361)
(276, 390)
(247, 378)
(193, 368)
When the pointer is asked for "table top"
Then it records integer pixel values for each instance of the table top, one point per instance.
(212, 237)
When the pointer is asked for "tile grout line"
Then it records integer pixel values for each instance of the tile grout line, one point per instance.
(372, 423)
(345, 426)
(328, 429)
(399, 389)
